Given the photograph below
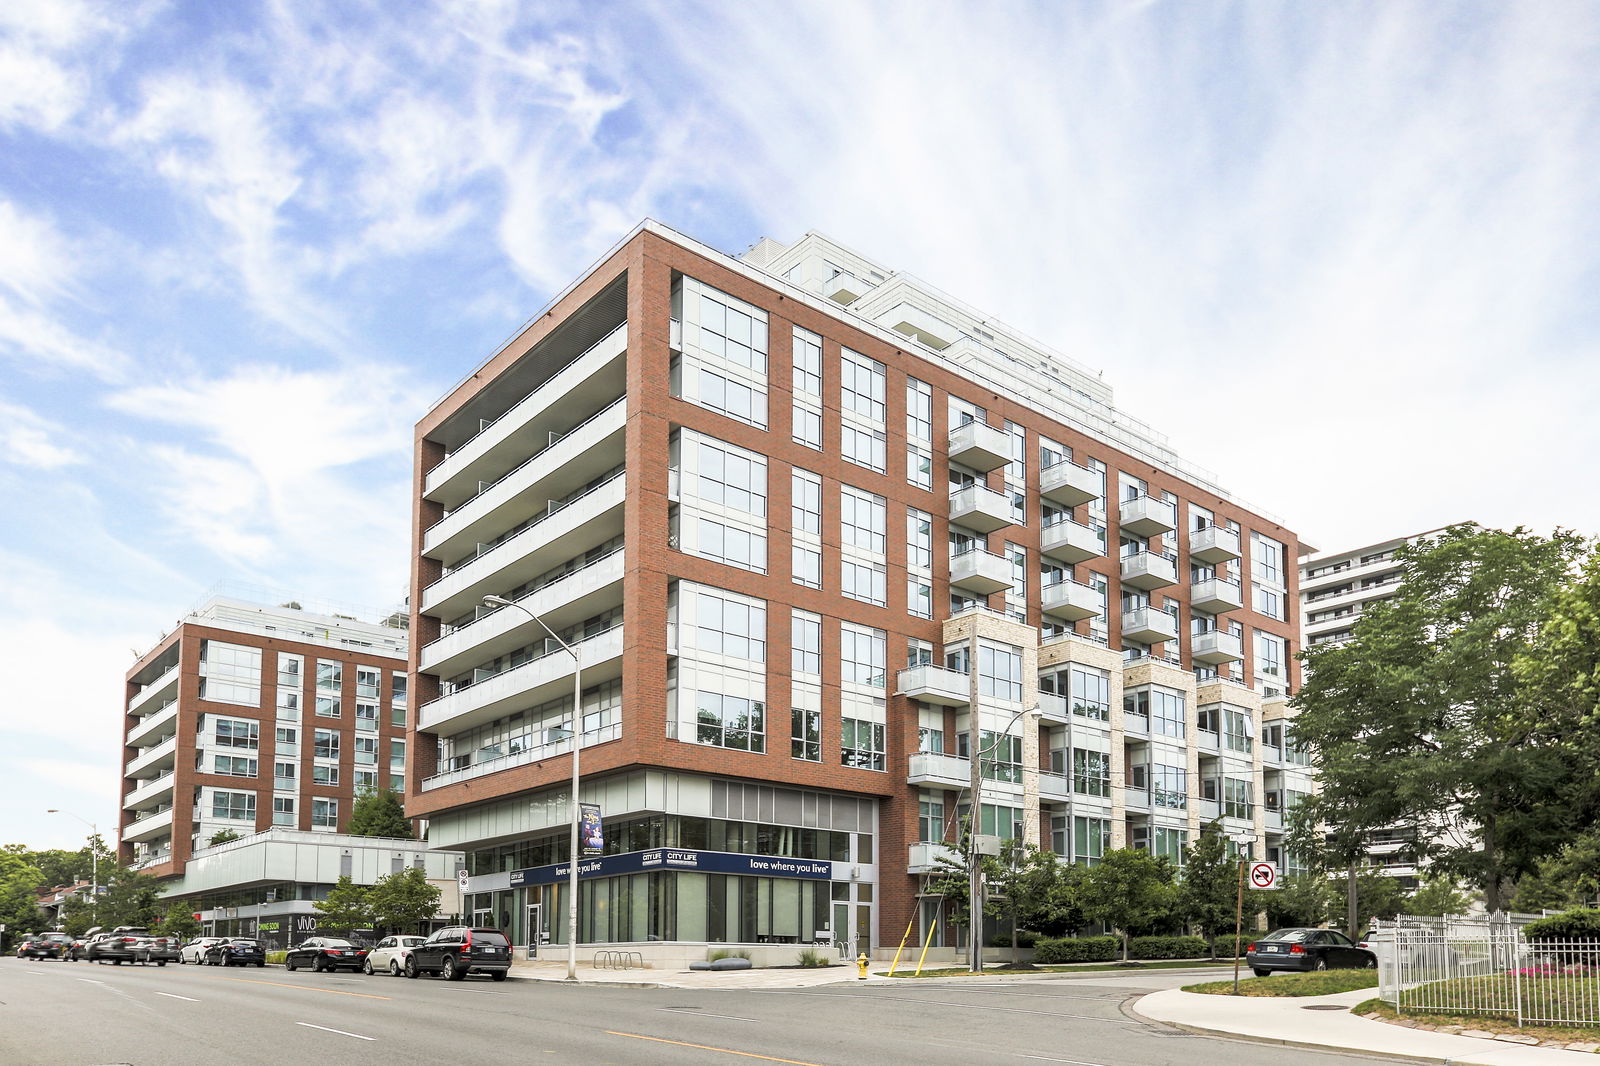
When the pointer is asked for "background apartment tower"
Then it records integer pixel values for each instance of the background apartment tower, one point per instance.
(247, 717)
(802, 517)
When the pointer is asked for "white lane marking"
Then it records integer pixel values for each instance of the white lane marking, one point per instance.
(997, 992)
(701, 1014)
(1045, 1058)
(341, 1032)
(90, 981)
(171, 995)
(36, 971)
(480, 992)
(348, 980)
(947, 1003)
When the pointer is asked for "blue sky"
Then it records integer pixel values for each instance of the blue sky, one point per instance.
(1343, 255)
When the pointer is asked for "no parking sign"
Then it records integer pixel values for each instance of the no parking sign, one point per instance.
(1263, 875)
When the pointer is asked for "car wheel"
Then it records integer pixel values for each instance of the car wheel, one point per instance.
(411, 969)
(316, 965)
(499, 975)
(394, 969)
(116, 962)
(1320, 964)
(1371, 963)
(366, 967)
(261, 966)
(161, 962)
(288, 964)
(1259, 972)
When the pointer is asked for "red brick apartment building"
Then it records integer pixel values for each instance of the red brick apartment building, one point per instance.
(246, 718)
(801, 517)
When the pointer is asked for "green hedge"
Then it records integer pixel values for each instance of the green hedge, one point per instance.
(1077, 949)
(276, 958)
(1580, 923)
(1025, 938)
(1168, 947)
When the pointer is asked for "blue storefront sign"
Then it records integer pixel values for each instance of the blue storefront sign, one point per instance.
(708, 862)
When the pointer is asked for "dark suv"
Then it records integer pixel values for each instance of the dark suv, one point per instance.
(458, 950)
(44, 946)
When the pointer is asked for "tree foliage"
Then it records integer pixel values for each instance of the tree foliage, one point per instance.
(127, 897)
(178, 921)
(222, 836)
(1419, 719)
(379, 814)
(1209, 894)
(400, 901)
(1303, 900)
(1128, 889)
(347, 908)
(19, 899)
(1438, 896)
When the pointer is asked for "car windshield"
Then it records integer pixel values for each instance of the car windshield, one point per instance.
(330, 943)
(410, 941)
(1288, 936)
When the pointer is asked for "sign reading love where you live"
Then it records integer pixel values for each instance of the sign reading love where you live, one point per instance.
(711, 862)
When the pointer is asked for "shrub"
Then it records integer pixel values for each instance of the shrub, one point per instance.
(811, 957)
(728, 953)
(275, 958)
(1026, 938)
(1076, 949)
(1580, 923)
(1167, 947)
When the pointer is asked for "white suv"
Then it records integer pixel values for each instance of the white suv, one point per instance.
(390, 955)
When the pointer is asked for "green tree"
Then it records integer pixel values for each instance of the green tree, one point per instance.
(1129, 888)
(347, 908)
(19, 897)
(178, 921)
(1302, 900)
(1418, 719)
(1569, 878)
(127, 897)
(222, 836)
(400, 901)
(1377, 897)
(1438, 896)
(1209, 894)
(379, 814)
(1026, 881)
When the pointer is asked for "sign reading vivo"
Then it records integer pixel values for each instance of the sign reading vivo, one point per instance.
(710, 862)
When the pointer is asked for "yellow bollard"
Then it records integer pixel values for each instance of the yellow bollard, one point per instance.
(861, 967)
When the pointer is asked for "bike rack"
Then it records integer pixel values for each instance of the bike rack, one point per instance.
(618, 960)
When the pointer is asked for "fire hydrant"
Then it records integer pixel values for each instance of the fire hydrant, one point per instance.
(861, 966)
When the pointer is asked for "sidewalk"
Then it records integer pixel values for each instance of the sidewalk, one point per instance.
(666, 977)
(1288, 1021)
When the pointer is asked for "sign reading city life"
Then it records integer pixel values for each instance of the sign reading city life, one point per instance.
(591, 834)
(1263, 875)
(710, 862)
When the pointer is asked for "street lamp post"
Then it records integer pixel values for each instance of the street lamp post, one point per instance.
(94, 852)
(974, 819)
(577, 718)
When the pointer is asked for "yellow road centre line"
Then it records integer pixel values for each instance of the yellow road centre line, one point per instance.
(707, 1047)
(308, 988)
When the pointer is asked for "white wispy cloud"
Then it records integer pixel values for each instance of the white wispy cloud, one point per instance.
(28, 440)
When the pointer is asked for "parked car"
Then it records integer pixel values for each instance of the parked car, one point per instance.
(236, 952)
(75, 950)
(195, 950)
(157, 949)
(390, 955)
(44, 946)
(1425, 948)
(1307, 949)
(115, 947)
(458, 950)
(325, 953)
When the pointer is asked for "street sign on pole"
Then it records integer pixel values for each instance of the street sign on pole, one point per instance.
(1264, 876)
(461, 878)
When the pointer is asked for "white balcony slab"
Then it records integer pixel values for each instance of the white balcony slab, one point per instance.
(554, 474)
(980, 447)
(524, 686)
(1069, 485)
(1215, 647)
(588, 382)
(154, 725)
(935, 684)
(1070, 601)
(924, 858)
(588, 520)
(150, 760)
(1055, 787)
(156, 692)
(930, 768)
(149, 827)
(1147, 625)
(980, 509)
(1146, 516)
(1147, 570)
(150, 792)
(1216, 596)
(576, 596)
(980, 573)
(1213, 545)
(1072, 542)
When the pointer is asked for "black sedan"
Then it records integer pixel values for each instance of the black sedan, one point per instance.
(325, 953)
(44, 946)
(235, 953)
(1307, 949)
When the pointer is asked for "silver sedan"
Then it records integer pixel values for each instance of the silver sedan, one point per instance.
(390, 955)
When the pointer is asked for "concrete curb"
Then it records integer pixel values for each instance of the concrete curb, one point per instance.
(1132, 1012)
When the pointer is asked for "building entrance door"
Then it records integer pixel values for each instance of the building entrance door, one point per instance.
(843, 931)
(533, 927)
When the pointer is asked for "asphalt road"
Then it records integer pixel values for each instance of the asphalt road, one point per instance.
(63, 1014)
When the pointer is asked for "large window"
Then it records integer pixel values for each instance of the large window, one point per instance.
(807, 566)
(731, 544)
(367, 683)
(806, 501)
(1091, 772)
(1169, 786)
(238, 733)
(1000, 671)
(863, 655)
(230, 673)
(283, 811)
(325, 775)
(366, 749)
(729, 625)
(233, 765)
(732, 478)
(730, 722)
(1091, 693)
(1165, 708)
(1090, 839)
(919, 410)
(861, 744)
(919, 539)
(862, 386)
(864, 447)
(1002, 760)
(807, 363)
(867, 582)
(863, 519)
(805, 639)
(325, 744)
(731, 329)
(930, 818)
(805, 734)
(324, 813)
(1169, 844)
(235, 806)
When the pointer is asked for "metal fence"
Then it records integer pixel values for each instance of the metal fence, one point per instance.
(1485, 966)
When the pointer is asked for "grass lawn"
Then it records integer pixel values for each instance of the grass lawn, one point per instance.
(1002, 971)
(1292, 984)
(1446, 1022)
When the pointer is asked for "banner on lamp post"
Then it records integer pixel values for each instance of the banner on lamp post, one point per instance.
(591, 832)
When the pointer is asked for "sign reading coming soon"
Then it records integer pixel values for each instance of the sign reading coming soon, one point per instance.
(709, 862)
